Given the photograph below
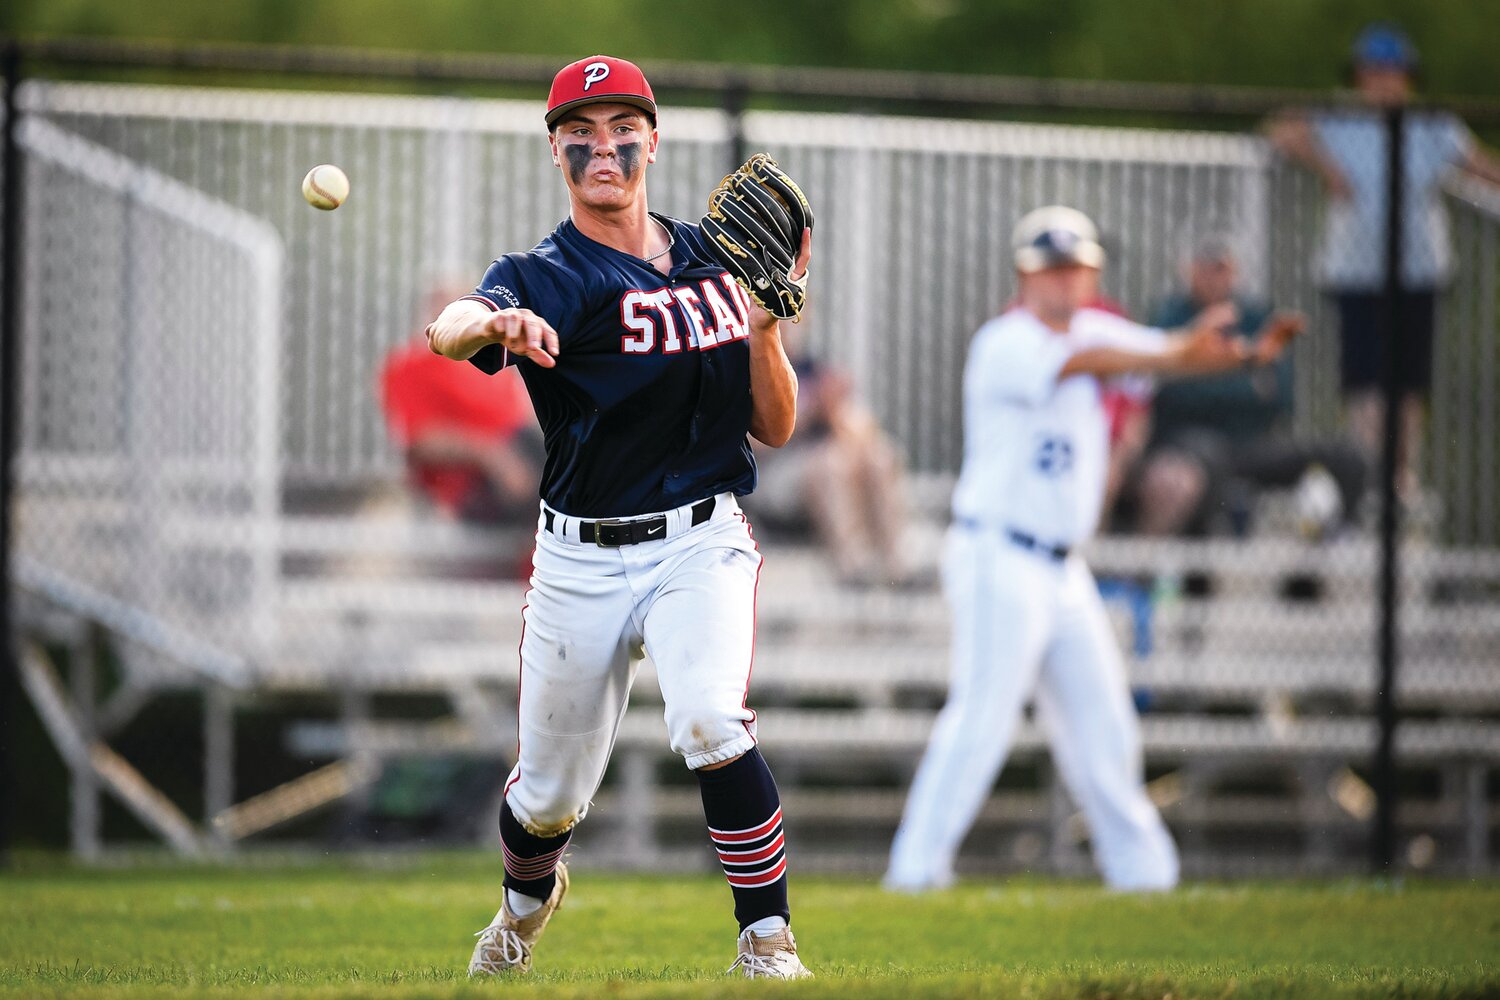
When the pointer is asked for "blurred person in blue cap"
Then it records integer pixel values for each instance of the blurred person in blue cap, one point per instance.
(1346, 147)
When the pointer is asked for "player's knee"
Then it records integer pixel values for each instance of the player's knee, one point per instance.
(884, 457)
(1172, 485)
(1174, 476)
(704, 733)
(837, 460)
(547, 811)
(551, 822)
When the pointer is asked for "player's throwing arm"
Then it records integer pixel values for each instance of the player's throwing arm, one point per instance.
(465, 326)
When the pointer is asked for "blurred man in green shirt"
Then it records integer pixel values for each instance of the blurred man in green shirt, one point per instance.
(1215, 441)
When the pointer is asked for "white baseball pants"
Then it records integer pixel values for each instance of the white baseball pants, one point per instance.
(591, 616)
(1023, 623)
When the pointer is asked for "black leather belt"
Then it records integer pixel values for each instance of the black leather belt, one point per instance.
(615, 532)
(1056, 552)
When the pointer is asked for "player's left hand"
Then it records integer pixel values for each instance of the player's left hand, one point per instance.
(1280, 330)
(761, 318)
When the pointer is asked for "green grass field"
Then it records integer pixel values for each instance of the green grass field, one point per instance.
(346, 929)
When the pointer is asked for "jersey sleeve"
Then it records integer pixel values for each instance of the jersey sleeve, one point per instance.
(1018, 364)
(1102, 329)
(520, 281)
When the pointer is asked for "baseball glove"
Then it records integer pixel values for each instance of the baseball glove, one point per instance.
(754, 225)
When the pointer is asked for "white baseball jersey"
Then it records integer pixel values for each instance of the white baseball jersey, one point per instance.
(1036, 451)
(1029, 621)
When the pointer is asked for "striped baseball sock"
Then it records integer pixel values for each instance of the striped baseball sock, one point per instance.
(743, 810)
(530, 861)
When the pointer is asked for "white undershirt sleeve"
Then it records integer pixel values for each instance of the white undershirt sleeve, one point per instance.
(1097, 328)
(1020, 364)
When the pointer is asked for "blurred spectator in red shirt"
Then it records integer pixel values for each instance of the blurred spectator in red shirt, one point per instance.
(471, 441)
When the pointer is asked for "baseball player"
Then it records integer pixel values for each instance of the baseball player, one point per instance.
(1027, 617)
(648, 367)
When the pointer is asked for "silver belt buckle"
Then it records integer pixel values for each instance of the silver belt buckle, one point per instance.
(612, 522)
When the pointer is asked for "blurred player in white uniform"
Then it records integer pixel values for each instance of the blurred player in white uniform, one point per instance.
(1027, 617)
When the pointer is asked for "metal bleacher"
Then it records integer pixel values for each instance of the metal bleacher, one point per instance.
(162, 488)
(1257, 702)
(1257, 722)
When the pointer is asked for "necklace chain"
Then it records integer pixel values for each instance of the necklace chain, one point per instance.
(671, 240)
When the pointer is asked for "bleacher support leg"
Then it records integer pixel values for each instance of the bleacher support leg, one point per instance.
(85, 800)
(638, 793)
(1476, 818)
(1063, 849)
(1319, 850)
(356, 711)
(218, 758)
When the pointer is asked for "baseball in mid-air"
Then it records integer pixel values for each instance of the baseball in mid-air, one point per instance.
(325, 187)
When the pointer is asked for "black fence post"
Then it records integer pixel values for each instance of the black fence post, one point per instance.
(736, 96)
(10, 339)
(1391, 336)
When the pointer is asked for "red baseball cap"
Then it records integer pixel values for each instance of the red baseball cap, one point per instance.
(595, 80)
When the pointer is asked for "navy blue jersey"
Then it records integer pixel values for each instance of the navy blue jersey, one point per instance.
(648, 407)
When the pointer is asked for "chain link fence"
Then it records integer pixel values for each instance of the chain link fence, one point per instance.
(206, 470)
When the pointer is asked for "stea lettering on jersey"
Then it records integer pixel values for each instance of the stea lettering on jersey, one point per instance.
(667, 319)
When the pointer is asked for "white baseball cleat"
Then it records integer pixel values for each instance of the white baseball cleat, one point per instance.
(506, 944)
(773, 957)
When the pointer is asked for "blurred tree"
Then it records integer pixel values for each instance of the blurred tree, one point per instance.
(1264, 42)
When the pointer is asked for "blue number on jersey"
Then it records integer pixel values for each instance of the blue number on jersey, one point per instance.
(1054, 455)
